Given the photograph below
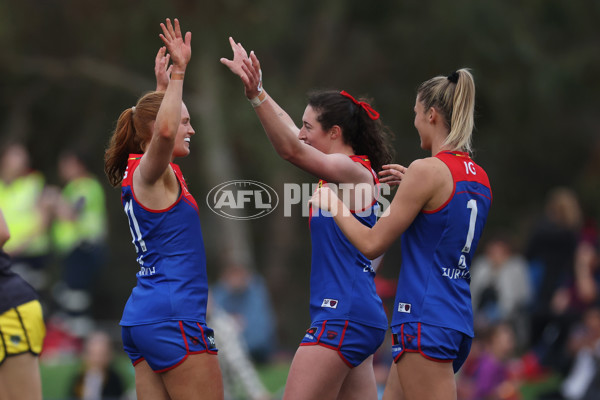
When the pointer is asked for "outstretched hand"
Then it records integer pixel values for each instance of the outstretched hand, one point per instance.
(392, 174)
(246, 67)
(162, 69)
(179, 48)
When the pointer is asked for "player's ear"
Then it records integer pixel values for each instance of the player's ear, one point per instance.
(335, 132)
(432, 115)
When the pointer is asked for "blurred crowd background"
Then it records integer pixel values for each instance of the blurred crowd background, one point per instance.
(70, 67)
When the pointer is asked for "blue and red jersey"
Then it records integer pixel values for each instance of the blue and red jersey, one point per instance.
(342, 283)
(171, 281)
(437, 248)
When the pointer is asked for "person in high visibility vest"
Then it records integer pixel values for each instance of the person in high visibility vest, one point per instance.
(78, 234)
(27, 214)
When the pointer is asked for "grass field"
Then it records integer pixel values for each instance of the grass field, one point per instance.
(57, 376)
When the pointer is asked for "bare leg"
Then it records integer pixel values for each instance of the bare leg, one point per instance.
(423, 379)
(360, 383)
(20, 378)
(393, 390)
(148, 384)
(316, 373)
(198, 377)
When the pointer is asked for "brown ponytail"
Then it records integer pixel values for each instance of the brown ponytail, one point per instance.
(133, 131)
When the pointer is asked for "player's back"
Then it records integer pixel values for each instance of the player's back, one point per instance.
(437, 250)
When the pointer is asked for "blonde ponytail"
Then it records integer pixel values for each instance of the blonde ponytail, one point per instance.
(453, 97)
(463, 108)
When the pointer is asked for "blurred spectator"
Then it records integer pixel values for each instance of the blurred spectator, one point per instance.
(572, 303)
(585, 288)
(581, 290)
(244, 295)
(489, 372)
(466, 377)
(79, 236)
(26, 214)
(97, 379)
(500, 286)
(240, 378)
(551, 253)
(583, 380)
(494, 378)
(552, 243)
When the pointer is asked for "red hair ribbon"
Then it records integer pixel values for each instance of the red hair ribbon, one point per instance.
(366, 106)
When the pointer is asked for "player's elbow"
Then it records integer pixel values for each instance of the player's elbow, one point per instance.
(164, 131)
(371, 251)
(287, 155)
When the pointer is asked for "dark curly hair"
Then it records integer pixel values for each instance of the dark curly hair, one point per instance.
(366, 136)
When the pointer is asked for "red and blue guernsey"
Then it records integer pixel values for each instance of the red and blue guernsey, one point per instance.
(437, 248)
(342, 283)
(172, 282)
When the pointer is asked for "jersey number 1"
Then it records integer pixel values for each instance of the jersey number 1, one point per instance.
(134, 227)
(472, 204)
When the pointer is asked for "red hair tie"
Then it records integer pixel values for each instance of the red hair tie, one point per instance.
(366, 106)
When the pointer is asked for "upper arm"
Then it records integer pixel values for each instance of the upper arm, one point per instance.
(283, 134)
(156, 159)
(154, 181)
(334, 168)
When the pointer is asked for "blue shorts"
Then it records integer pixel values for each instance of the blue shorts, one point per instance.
(432, 342)
(353, 342)
(165, 345)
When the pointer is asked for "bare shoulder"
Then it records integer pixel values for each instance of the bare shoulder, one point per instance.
(435, 178)
(427, 167)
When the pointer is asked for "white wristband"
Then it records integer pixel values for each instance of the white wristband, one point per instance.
(258, 100)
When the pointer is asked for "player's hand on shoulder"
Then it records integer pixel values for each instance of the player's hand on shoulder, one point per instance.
(325, 199)
(392, 174)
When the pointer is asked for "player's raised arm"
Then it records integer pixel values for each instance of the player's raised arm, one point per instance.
(294, 144)
(159, 153)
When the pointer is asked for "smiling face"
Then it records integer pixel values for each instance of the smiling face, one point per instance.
(312, 133)
(184, 134)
